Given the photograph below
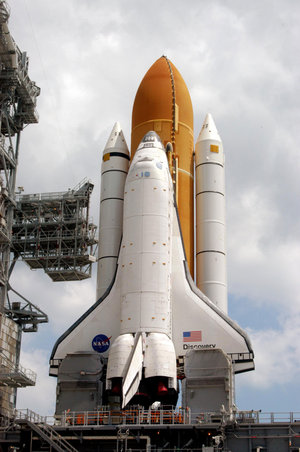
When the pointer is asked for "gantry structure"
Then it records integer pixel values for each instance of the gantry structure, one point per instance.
(49, 231)
(18, 96)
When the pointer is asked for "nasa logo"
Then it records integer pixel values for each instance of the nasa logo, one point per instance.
(101, 343)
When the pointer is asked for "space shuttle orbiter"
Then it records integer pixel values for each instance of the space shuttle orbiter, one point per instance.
(149, 312)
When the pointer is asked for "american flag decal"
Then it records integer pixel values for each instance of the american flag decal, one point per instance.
(192, 336)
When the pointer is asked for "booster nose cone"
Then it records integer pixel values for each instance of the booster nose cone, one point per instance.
(209, 130)
(116, 142)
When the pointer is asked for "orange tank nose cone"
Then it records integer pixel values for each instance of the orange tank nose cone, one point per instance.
(161, 97)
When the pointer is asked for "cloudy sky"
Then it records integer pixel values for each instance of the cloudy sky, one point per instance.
(240, 61)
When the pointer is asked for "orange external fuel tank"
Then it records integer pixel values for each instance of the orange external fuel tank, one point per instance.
(163, 104)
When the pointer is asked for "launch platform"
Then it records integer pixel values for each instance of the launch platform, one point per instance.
(163, 429)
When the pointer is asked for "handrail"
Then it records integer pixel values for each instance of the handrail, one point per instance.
(162, 415)
(44, 430)
(8, 367)
(29, 415)
(55, 195)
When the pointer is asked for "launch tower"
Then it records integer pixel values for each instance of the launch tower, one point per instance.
(49, 231)
(18, 95)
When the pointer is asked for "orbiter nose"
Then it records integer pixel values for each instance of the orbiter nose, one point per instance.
(151, 140)
(151, 136)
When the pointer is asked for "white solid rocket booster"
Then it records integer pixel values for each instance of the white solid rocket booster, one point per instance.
(114, 169)
(210, 215)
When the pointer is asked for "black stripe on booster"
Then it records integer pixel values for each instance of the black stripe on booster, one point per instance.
(106, 257)
(210, 163)
(114, 171)
(117, 154)
(210, 251)
(106, 199)
(210, 191)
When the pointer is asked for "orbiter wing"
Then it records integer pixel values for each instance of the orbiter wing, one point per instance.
(197, 322)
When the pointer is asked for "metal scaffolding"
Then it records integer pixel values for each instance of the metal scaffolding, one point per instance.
(12, 375)
(17, 108)
(24, 313)
(18, 96)
(51, 231)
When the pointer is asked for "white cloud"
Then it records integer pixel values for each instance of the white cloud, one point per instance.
(41, 397)
(276, 355)
(74, 302)
(62, 302)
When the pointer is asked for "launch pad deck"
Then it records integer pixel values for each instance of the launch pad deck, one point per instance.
(153, 430)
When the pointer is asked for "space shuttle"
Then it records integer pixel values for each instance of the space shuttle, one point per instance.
(150, 312)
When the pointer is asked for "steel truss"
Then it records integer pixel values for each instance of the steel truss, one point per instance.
(51, 231)
(18, 96)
